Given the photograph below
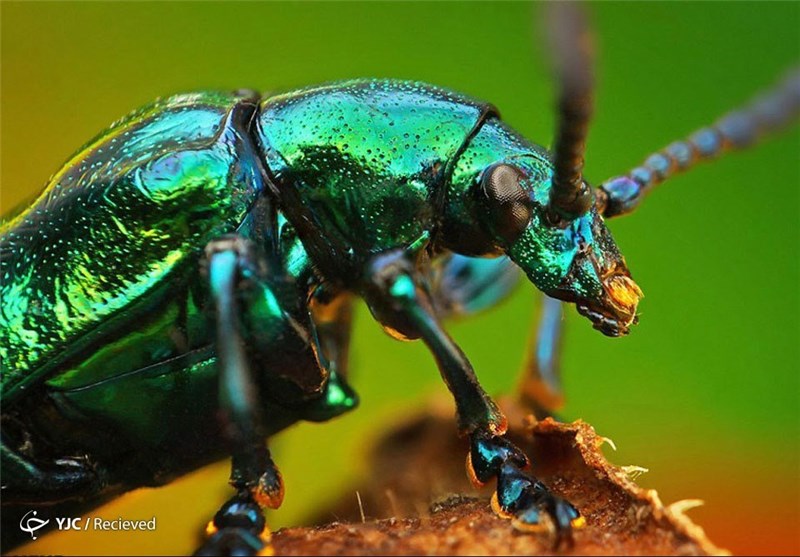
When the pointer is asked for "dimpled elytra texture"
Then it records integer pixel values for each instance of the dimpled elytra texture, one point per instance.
(118, 222)
(367, 156)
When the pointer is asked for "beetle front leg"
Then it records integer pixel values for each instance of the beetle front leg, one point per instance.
(400, 303)
(239, 527)
(464, 285)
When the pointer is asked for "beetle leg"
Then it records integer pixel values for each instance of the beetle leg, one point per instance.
(62, 480)
(253, 473)
(397, 300)
(238, 528)
(540, 382)
(333, 319)
(519, 496)
(401, 305)
(462, 285)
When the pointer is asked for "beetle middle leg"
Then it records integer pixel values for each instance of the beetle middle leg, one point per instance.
(397, 299)
(256, 310)
(239, 526)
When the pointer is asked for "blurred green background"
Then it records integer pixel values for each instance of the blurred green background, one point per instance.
(706, 390)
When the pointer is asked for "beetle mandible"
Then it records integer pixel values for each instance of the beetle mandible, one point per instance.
(204, 251)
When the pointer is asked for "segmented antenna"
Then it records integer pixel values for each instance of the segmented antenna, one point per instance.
(571, 47)
(765, 114)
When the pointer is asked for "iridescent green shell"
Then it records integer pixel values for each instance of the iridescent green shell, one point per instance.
(369, 158)
(95, 259)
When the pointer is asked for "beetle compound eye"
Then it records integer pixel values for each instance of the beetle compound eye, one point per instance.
(507, 202)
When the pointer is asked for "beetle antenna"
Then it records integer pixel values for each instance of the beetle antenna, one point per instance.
(571, 47)
(766, 113)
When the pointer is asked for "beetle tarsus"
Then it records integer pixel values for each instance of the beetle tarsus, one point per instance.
(519, 496)
(238, 528)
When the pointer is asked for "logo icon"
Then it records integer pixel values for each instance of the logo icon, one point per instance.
(32, 524)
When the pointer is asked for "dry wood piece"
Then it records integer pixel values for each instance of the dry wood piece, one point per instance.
(419, 501)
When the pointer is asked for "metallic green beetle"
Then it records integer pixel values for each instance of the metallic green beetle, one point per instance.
(199, 259)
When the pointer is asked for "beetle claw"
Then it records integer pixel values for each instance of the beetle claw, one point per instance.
(531, 507)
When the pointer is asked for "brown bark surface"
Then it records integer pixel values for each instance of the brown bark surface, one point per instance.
(419, 501)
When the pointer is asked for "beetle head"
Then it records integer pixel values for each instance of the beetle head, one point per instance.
(576, 260)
